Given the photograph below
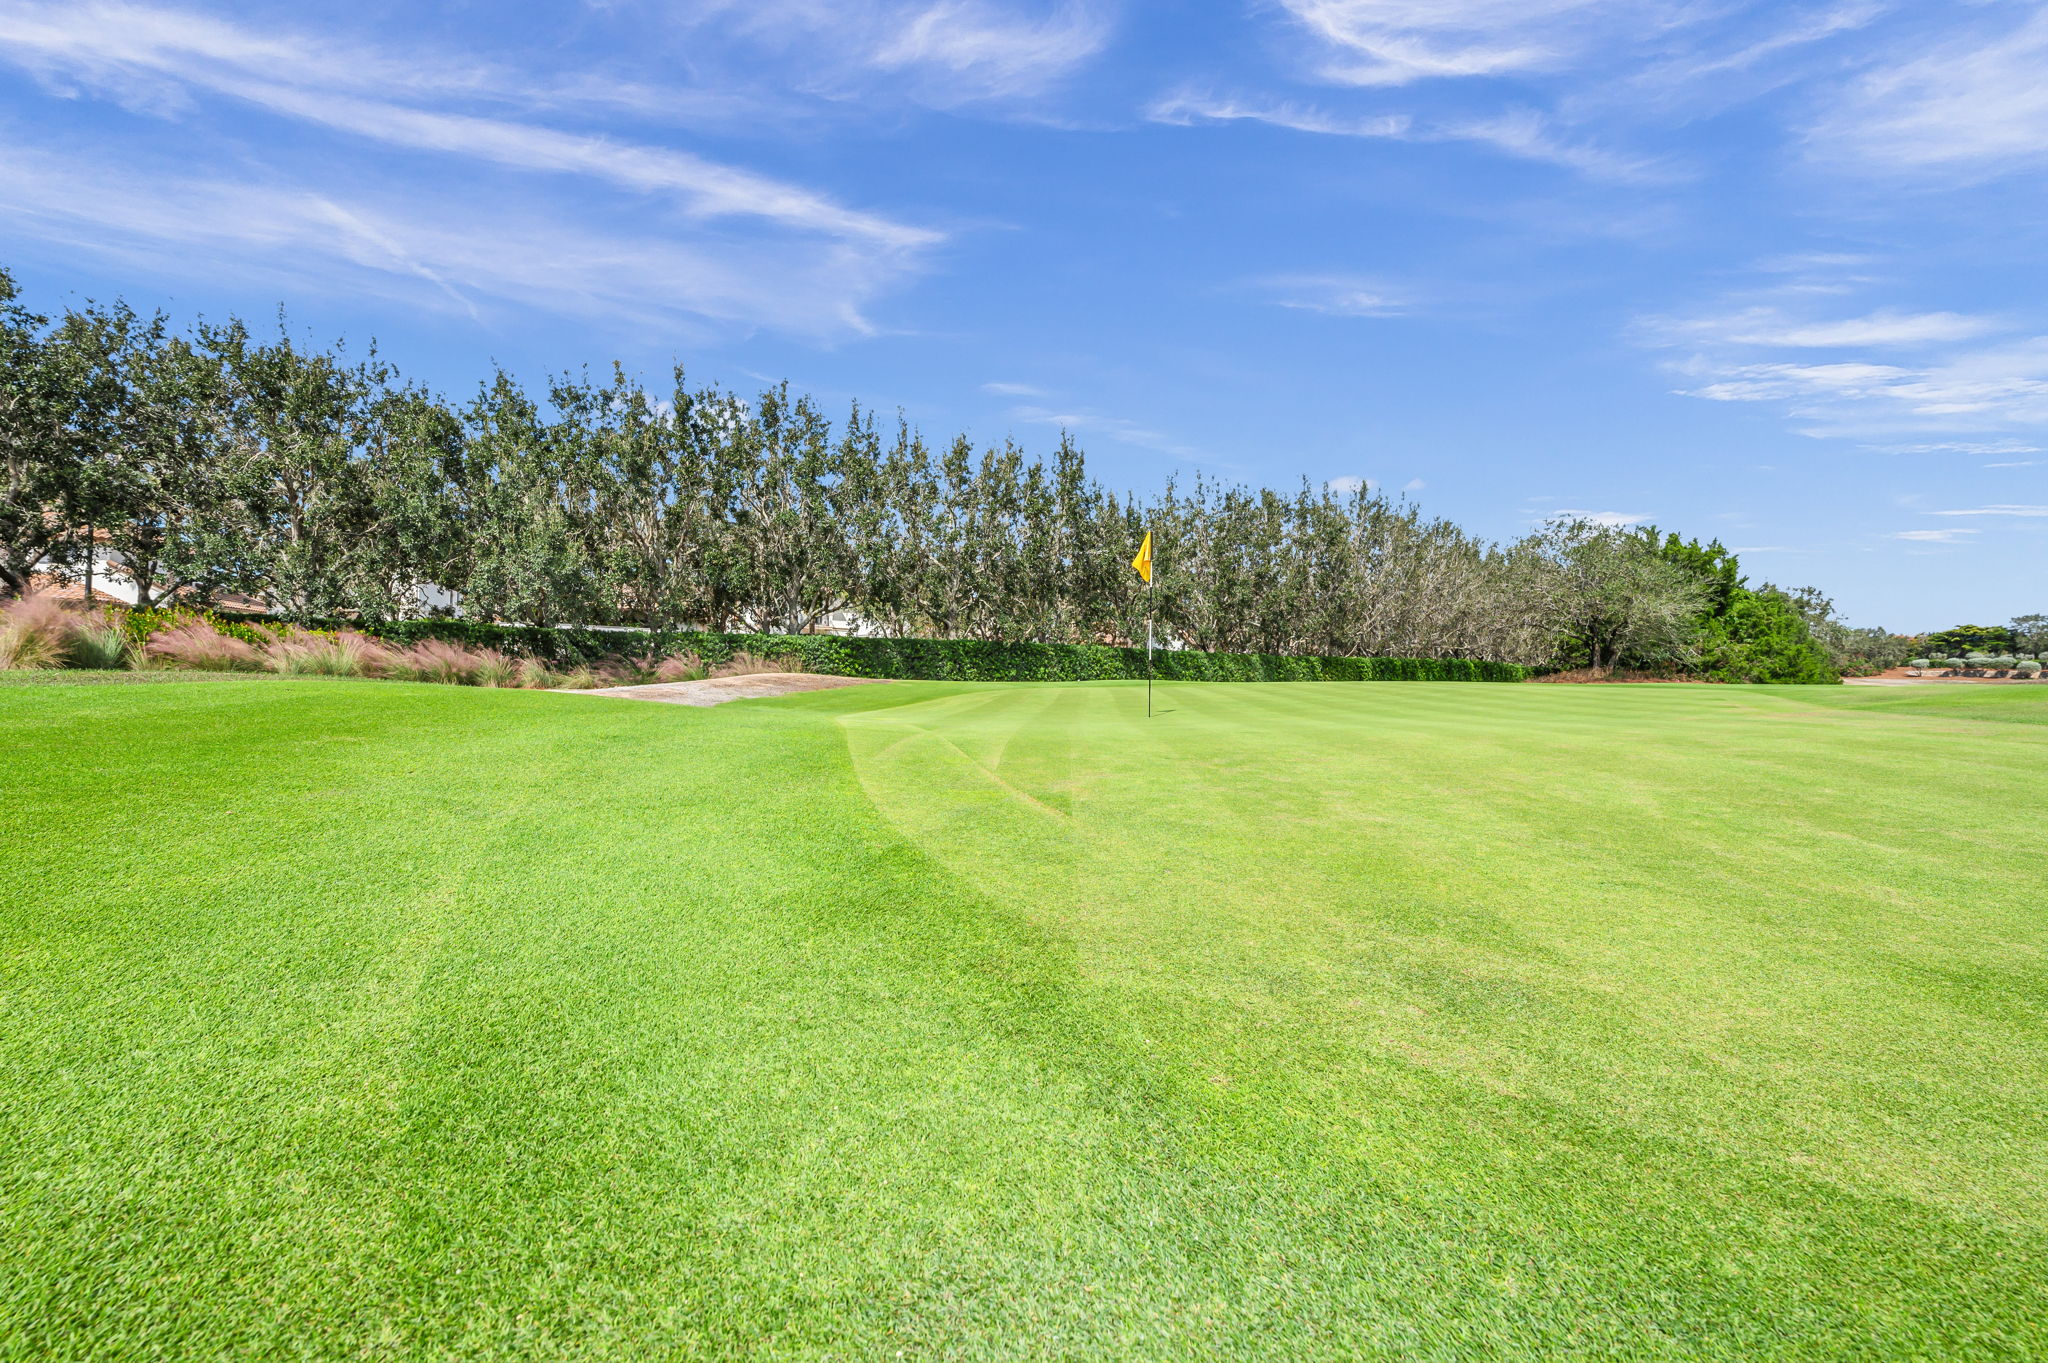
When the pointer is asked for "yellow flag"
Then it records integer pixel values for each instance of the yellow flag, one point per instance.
(1143, 562)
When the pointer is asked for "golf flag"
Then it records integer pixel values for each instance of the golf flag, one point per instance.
(1143, 562)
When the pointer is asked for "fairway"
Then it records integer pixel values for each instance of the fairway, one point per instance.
(947, 1020)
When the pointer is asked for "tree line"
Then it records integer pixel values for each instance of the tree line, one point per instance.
(215, 459)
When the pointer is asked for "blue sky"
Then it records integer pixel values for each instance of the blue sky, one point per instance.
(1770, 272)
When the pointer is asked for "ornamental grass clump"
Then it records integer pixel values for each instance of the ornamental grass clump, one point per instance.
(199, 647)
(582, 677)
(345, 653)
(98, 642)
(681, 667)
(434, 660)
(35, 632)
(495, 669)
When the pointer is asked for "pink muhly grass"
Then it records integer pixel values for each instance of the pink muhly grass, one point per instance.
(200, 647)
(345, 653)
(35, 632)
(435, 660)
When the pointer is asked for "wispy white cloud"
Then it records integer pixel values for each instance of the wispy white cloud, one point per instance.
(1898, 373)
(1800, 30)
(1522, 133)
(1772, 327)
(1414, 485)
(941, 53)
(1335, 295)
(1111, 427)
(1013, 390)
(204, 53)
(1885, 328)
(2017, 464)
(1615, 519)
(1974, 105)
(1974, 390)
(1962, 447)
(1954, 536)
(168, 62)
(1397, 42)
(468, 255)
(2004, 509)
(1187, 107)
(1347, 484)
(987, 52)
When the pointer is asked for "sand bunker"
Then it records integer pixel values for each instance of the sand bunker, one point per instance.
(719, 690)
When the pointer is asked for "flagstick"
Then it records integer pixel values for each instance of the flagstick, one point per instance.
(1148, 646)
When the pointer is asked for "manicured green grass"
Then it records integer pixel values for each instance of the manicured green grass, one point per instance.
(938, 1020)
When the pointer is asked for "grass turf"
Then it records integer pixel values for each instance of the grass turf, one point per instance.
(1303, 1021)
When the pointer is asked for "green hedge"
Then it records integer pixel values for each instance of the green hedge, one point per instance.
(936, 659)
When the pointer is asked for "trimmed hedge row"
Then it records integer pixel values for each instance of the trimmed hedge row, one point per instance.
(933, 659)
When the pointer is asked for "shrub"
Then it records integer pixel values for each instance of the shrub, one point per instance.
(1919, 662)
(198, 646)
(2031, 668)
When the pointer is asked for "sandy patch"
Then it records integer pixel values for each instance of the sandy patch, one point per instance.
(719, 690)
(1901, 676)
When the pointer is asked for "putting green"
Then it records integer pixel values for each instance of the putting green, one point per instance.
(998, 1021)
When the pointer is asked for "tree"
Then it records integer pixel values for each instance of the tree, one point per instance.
(1614, 597)
(1962, 639)
(50, 387)
(2030, 633)
(293, 437)
(163, 511)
